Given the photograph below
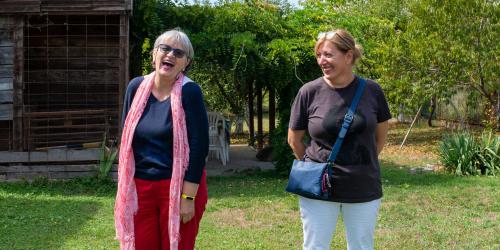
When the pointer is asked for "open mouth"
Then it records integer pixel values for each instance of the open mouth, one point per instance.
(168, 64)
(326, 68)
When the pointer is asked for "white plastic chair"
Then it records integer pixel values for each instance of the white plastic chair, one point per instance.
(217, 137)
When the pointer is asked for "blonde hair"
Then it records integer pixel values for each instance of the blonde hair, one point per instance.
(343, 40)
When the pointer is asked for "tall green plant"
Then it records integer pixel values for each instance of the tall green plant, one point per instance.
(490, 153)
(106, 159)
(463, 154)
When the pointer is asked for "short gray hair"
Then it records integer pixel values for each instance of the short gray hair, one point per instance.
(178, 36)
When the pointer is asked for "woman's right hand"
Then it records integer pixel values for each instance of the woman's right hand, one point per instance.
(186, 210)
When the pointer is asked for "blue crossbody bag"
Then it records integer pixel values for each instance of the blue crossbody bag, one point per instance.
(313, 179)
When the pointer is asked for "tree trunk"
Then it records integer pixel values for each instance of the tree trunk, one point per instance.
(251, 130)
(272, 110)
(490, 96)
(433, 109)
(232, 102)
(260, 132)
(239, 125)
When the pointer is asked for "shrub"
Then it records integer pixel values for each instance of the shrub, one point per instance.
(282, 151)
(107, 157)
(490, 154)
(463, 154)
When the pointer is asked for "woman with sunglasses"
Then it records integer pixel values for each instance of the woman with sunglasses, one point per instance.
(319, 109)
(162, 190)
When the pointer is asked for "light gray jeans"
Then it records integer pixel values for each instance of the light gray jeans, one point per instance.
(319, 219)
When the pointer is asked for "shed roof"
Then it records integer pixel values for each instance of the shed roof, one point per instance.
(66, 6)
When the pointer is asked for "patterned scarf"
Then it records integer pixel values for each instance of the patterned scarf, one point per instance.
(126, 197)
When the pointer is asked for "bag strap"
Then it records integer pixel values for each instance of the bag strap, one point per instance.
(347, 120)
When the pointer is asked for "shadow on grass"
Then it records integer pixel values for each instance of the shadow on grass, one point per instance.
(255, 184)
(78, 186)
(399, 175)
(267, 184)
(33, 223)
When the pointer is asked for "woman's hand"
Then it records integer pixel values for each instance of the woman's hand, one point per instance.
(187, 206)
(186, 210)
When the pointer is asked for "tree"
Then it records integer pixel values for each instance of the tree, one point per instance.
(446, 46)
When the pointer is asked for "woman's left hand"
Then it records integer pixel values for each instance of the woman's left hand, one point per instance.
(187, 210)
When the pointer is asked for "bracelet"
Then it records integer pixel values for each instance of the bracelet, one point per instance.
(186, 197)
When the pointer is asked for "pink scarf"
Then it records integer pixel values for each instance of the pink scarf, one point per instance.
(126, 197)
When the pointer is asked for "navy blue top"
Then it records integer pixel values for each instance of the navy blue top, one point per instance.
(153, 137)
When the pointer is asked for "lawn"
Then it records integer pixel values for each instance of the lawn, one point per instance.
(419, 210)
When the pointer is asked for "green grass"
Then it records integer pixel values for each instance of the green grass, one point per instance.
(43, 215)
(419, 211)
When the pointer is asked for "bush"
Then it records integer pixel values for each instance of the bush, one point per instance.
(463, 154)
(490, 154)
(282, 151)
(107, 157)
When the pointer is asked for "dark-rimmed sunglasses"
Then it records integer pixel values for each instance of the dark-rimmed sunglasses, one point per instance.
(179, 53)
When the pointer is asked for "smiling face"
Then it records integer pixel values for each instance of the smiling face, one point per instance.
(169, 60)
(333, 62)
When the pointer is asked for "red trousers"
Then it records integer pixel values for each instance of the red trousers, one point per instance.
(151, 220)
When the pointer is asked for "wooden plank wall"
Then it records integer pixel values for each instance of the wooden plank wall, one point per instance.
(20, 6)
(124, 67)
(51, 6)
(52, 172)
(6, 66)
(51, 164)
(7, 54)
(73, 63)
(51, 155)
(84, 5)
(17, 94)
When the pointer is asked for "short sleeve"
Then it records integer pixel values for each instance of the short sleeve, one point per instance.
(299, 111)
(383, 113)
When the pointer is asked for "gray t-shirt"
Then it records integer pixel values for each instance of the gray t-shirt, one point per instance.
(320, 109)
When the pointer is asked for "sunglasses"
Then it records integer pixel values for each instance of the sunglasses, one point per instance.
(330, 34)
(179, 53)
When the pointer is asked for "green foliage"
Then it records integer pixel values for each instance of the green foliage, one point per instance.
(283, 154)
(490, 153)
(106, 159)
(415, 49)
(147, 21)
(445, 47)
(459, 154)
(147, 47)
(463, 154)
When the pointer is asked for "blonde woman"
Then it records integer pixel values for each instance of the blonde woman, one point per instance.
(319, 110)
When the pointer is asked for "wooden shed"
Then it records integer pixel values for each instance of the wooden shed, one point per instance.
(63, 70)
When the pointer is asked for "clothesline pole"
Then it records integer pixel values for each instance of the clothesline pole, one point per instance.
(413, 122)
